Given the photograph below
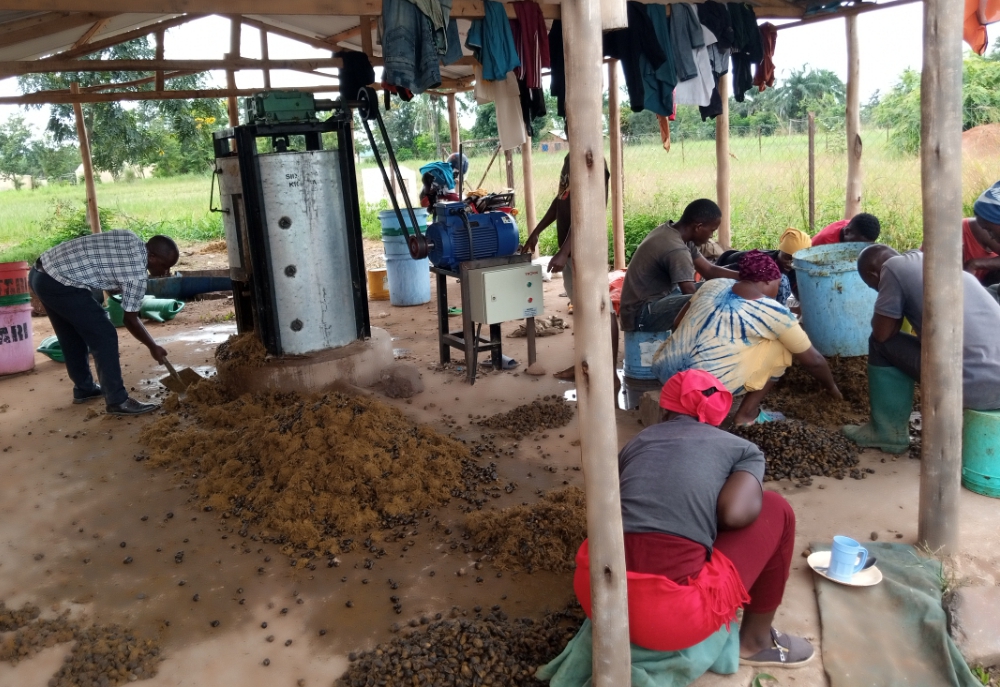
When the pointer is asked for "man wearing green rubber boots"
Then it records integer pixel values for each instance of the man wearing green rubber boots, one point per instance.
(894, 357)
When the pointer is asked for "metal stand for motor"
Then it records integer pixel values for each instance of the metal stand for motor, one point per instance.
(469, 339)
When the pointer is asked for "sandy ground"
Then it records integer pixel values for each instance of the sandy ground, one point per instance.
(74, 488)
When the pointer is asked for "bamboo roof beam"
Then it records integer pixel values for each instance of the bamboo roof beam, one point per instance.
(57, 25)
(62, 97)
(91, 32)
(124, 37)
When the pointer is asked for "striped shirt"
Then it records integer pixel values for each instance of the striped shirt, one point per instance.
(112, 261)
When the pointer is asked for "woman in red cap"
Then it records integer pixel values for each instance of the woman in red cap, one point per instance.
(700, 531)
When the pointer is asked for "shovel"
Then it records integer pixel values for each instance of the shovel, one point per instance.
(179, 383)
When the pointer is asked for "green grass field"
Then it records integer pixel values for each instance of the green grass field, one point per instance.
(769, 192)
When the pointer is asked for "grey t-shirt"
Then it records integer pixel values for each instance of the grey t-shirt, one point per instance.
(660, 263)
(671, 475)
(901, 294)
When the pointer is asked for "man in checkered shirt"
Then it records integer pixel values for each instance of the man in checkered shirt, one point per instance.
(65, 278)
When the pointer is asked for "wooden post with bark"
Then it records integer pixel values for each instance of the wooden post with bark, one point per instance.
(453, 122)
(233, 108)
(853, 204)
(159, 80)
(265, 55)
(617, 178)
(722, 164)
(941, 335)
(812, 172)
(93, 218)
(528, 175)
(592, 344)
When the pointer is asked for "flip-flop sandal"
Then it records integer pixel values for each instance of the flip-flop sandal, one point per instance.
(454, 312)
(787, 652)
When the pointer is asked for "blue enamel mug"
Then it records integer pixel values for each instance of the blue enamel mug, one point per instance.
(846, 558)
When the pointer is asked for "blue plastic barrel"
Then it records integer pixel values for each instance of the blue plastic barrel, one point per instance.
(409, 279)
(836, 305)
(639, 350)
(981, 452)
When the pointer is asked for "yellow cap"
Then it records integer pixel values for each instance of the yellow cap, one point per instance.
(794, 240)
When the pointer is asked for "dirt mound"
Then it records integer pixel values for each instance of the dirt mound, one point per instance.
(799, 395)
(488, 650)
(795, 450)
(981, 142)
(547, 412)
(105, 655)
(541, 536)
(239, 354)
(307, 470)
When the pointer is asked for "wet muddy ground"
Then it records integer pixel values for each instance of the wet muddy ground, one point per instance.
(89, 526)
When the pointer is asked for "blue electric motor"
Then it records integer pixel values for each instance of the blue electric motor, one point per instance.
(493, 234)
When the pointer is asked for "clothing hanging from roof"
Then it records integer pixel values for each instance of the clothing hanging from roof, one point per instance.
(532, 44)
(698, 91)
(557, 74)
(659, 83)
(686, 37)
(974, 28)
(409, 52)
(505, 95)
(764, 73)
(747, 47)
(492, 42)
(715, 16)
(628, 44)
(437, 12)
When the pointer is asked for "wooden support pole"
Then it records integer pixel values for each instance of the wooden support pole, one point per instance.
(722, 164)
(93, 218)
(508, 158)
(235, 35)
(265, 55)
(812, 172)
(592, 344)
(453, 122)
(617, 166)
(159, 80)
(941, 335)
(366, 37)
(528, 174)
(853, 205)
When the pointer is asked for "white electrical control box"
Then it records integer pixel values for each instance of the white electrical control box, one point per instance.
(504, 293)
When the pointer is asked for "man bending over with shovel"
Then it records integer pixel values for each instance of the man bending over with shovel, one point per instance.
(64, 279)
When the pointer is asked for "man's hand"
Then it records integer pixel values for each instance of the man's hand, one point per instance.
(529, 243)
(558, 262)
(835, 392)
(159, 353)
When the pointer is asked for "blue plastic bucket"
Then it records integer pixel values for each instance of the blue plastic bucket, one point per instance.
(837, 305)
(981, 452)
(409, 279)
(639, 350)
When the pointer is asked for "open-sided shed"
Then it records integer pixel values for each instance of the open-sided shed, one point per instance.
(51, 35)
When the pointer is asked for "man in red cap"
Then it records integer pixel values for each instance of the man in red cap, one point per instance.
(700, 531)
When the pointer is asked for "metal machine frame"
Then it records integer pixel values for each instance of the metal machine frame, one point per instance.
(241, 142)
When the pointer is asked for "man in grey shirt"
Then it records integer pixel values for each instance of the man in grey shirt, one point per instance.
(660, 276)
(894, 357)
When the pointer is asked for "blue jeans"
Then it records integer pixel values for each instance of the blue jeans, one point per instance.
(83, 328)
(659, 316)
(408, 48)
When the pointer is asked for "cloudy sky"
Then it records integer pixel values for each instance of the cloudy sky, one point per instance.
(890, 41)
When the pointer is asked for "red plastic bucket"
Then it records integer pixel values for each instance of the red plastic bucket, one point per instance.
(17, 349)
(14, 284)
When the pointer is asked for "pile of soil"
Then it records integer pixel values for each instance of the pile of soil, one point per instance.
(490, 650)
(239, 354)
(799, 395)
(542, 536)
(796, 450)
(548, 412)
(307, 470)
(981, 142)
(104, 655)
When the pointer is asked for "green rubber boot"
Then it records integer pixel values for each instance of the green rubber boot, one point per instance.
(890, 394)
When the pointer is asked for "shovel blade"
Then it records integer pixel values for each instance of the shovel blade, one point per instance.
(185, 378)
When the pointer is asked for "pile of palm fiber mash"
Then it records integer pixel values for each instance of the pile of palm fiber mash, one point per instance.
(101, 656)
(796, 450)
(486, 651)
(799, 395)
(305, 470)
(548, 412)
(542, 536)
(239, 352)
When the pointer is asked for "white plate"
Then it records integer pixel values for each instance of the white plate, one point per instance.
(865, 578)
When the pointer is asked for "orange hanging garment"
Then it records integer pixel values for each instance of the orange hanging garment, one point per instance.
(979, 13)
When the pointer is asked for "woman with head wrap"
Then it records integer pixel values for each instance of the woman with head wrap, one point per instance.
(792, 241)
(981, 237)
(737, 331)
(700, 532)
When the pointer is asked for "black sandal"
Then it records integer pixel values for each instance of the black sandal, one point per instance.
(787, 652)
